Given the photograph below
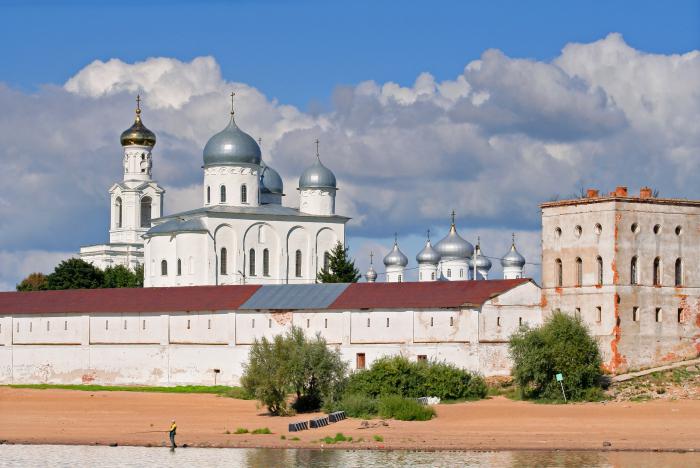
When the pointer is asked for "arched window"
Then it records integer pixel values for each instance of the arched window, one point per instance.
(678, 275)
(146, 203)
(558, 272)
(266, 262)
(297, 264)
(633, 270)
(432, 275)
(222, 194)
(579, 271)
(244, 193)
(251, 262)
(326, 261)
(657, 271)
(222, 261)
(449, 273)
(179, 267)
(118, 212)
(164, 268)
(599, 262)
(208, 194)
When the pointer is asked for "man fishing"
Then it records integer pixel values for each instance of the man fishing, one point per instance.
(173, 430)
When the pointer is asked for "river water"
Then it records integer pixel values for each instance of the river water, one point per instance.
(29, 456)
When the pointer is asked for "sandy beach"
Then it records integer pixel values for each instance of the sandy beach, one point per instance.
(129, 418)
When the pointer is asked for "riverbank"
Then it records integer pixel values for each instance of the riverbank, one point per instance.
(32, 416)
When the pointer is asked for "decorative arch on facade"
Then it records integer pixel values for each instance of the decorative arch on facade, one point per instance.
(118, 212)
(258, 237)
(326, 239)
(225, 240)
(298, 253)
(146, 211)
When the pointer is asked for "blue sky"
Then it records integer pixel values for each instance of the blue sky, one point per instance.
(298, 52)
(488, 108)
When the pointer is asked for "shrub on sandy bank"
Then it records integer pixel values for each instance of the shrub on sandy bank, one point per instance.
(385, 406)
(396, 375)
(561, 345)
(293, 364)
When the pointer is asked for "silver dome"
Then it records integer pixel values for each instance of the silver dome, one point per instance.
(270, 181)
(231, 146)
(428, 255)
(395, 257)
(513, 258)
(371, 275)
(482, 263)
(317, 176)
(454, 246)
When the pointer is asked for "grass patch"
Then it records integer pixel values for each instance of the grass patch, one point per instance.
(241, 430)
(222, 390)
(378, 438)
(404, 409)
(339, 437)
(295, 439)
(262, 430)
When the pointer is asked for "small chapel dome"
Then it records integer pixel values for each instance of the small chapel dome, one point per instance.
(454, 246)
(317, 175)
(270, 181)
(395, 257)
(231, 146)
(138, 134)
(513, 258)
(482, 262)
(371, 275)
(428, 255)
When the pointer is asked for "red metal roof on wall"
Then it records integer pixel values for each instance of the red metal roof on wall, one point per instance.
(421, 295)
(189, 298)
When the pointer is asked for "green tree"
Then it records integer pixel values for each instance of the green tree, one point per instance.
(75, 273)
(33, 282)
(561, 345)
(121, 276)
(293, 364)
(340, 268)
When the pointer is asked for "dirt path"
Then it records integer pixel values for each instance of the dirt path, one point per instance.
(78, 417)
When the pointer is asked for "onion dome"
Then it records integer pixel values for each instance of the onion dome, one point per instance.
(453, 245)
(395, 257)
(513, 257)
(138, 134)
(428, 255)
(270, 180)
(371, 275)
(317, 175)
(482, 263)
(231, 146)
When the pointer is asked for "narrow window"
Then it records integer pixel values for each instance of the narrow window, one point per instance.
(326, 261)
(208, 324)
(360, 361)
(579, 272)
(223, 260)
(163, 268)
(368, 322)
(251, 263)
(432, 275)
(253, 324)
(577, 312)
(452, 321)
(449, 273)
(520, 321)
(146, 204)
(431, 321)
(269, 323)
(421, 357)
(633, 270)
(635, 314)
(65, 325)
(678, 274)
(657, 271)
(658, 314)
(244, 193)
(461, 272)
(400, 278)
(325, 323)
(498, 321)
(208, 195)
(387, 322)
(48, 325)
(179, 267)
(266, 262)
(30, 326)
(558, 272)
(308, 323)
(188, 324)
(222, 194)
(17, 327)
(680, 315)
(297, 264)
(657, 228)
(118, 212)
(599, 262)
(106, 324)
(598, 314)
(143, 325)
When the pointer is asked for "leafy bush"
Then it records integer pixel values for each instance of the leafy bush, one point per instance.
(292, 363)
(355, 406)
(262, 430)
(404, 409)
(397, 375)
(378, 438)
(561, 345)
(241, 430)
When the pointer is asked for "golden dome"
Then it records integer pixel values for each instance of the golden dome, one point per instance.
(138, 134)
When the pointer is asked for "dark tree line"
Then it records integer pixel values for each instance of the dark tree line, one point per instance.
(75, 273)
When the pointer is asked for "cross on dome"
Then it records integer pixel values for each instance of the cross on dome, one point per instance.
(232, 96)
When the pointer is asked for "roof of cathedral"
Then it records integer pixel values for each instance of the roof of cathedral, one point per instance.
(178, 224)
(426, 295)
(231, 146)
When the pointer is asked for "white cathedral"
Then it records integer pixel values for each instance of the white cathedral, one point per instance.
(243, 234)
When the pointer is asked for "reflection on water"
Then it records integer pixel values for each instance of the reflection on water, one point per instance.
(29, 456)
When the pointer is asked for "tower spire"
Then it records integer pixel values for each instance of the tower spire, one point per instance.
(453, 218)
(371, 257)
(233, 94)
(317, 152)
(428, 235)
(513, 242)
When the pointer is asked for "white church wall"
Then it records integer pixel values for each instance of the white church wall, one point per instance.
(233, 178)
(199, 328)
(331, 325)
(380, 326)
(431, 326)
